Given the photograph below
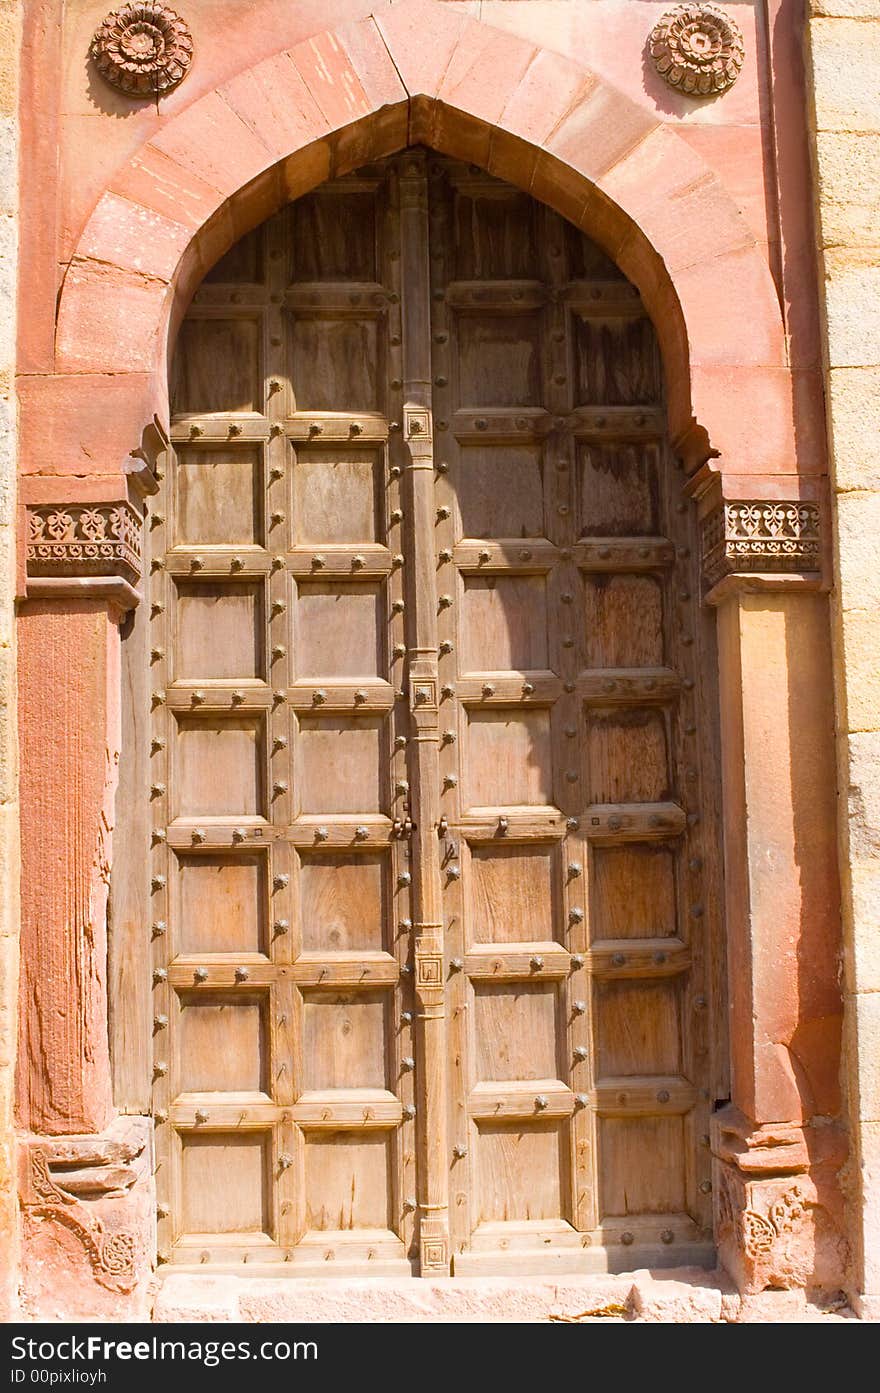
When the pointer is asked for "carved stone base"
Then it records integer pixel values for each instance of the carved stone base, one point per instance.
(88, 1223)
(778, 1206)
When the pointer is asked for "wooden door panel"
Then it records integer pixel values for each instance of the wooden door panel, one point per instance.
(633, 892)
(430, 951)
(504, 623)
(225, 1184)
(623, 621)
(218, 366)
(336, 496)
(222, 1043)
(355, 750)
(336, 361)
(344, 902)
(514, 894)
(220, 903)
(219, 497)
(618, 489)
(338, 631)
(515, 1031)
(348, 1181)
(232, 749)
(509, 758)
(499, 491)
(219, 631)
(344, 1040)
(520, 1172)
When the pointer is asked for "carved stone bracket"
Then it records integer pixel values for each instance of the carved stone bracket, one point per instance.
(760, 535)
(77, 549)
(98, 1189)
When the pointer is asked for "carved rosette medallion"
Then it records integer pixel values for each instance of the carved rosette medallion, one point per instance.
(698, 49)
(761, 536)
(143, 49)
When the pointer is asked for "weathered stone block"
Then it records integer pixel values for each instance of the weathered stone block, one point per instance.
(858, 527)
(848, 166)
(846, 74)
(861, 657)
(852, 307)
(853, 396)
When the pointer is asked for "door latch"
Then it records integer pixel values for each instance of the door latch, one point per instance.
(443, 828)
(402, 826)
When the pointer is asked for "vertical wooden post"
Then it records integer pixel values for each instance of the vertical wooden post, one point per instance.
(422, 630)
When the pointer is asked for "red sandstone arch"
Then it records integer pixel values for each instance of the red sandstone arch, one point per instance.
(420, 72)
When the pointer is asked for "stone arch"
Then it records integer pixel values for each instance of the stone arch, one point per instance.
(422, 73)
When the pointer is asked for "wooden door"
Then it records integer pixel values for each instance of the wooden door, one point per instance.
(430, 954)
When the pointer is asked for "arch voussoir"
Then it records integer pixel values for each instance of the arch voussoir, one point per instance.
(419, 71)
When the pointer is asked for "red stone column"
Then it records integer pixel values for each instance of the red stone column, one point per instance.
(85, 1180)
(778, 1145)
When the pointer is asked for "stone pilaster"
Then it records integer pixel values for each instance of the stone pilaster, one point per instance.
(778, 1145)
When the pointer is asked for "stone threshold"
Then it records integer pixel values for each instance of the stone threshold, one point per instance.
(674, 1296)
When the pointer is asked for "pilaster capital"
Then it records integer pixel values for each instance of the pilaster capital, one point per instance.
(83, 550)
(752, 538)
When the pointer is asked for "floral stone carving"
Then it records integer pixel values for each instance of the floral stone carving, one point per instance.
(761, 536)
(143, 49)
(77, 540)
(697, 48)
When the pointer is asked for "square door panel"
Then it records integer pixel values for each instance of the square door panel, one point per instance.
(515, 1029)
(348, 1180)
(217, 366)
(225, 1183)
(509, 758)
(336, 496)
(618, 362)
(220, 903)
(221, 1043)
(637, 1027)
(340, 765)
(618, 486)
(334, 236)
(641, 1166)
(336, 364)
(627, 756)
(219, 496)
(499, 491)
(219, 630)
(338, 631)
(623, 618)
(499, 360)
(512, 894)
(519, 1171)
(495, 236)
(219, 766)
(343, 902)
(344, 1039)
(632, 892)
(504, 623)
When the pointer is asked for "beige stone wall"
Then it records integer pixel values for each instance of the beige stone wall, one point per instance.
(844, 61)
(9, 875)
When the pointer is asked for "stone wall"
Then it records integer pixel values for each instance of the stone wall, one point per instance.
(9, 45)
(844, 61)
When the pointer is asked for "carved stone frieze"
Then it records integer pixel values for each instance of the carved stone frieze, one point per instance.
(698, 49)
(143, 49)
(78, 541)
(762, 535)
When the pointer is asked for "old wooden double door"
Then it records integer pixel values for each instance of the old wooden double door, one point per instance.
(425, 775)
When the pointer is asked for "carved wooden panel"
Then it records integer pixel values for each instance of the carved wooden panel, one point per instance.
(432, 859)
